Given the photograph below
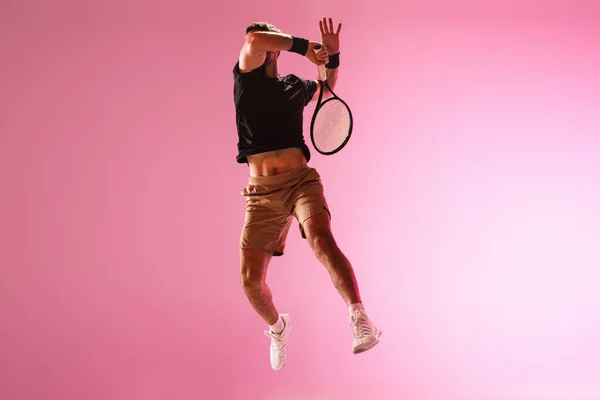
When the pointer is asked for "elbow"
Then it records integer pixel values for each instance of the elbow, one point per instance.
(251, 38)
(254, 41)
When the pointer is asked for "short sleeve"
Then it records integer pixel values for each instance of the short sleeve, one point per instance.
(310, 87)
(247, 76)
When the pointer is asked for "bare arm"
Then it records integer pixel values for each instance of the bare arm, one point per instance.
(331, 40)
(257, 44)
(332, 75)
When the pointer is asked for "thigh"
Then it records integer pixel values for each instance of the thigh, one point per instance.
(266, 221)
(309, 203)
(265, 229)
(317, 226)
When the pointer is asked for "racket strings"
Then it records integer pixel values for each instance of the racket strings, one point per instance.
(332, 126)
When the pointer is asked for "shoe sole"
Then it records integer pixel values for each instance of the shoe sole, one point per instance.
(369, 346)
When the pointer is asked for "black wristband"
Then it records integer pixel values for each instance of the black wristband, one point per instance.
(299, 45)
(334, 61)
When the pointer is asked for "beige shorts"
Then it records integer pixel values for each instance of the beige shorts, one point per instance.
(273, 201)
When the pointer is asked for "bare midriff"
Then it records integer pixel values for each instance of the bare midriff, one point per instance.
(276, 162)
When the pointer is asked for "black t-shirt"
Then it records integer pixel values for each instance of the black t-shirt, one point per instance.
(269, 111)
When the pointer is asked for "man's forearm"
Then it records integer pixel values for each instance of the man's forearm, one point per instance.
(271, 41)
(332, 75)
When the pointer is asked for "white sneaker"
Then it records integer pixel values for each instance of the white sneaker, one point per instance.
(366, 335)
(279, 343)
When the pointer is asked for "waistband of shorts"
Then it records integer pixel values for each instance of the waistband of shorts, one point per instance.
(279, 179)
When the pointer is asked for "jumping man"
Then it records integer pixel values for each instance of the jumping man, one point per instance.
(269, 117)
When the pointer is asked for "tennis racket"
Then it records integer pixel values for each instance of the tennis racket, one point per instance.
(331, 125)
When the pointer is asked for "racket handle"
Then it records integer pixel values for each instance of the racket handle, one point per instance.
(322, 72)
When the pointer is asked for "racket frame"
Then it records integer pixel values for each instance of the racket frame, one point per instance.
(323, 80)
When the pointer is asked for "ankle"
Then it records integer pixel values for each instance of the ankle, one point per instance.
(278, 326)
(352, 308)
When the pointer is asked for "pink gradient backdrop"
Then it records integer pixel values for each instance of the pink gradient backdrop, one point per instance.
(468, 201)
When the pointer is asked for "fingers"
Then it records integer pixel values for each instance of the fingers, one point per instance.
(318, 56)
(327, 29)
(318, 59)
(323, 26)
(322, 55)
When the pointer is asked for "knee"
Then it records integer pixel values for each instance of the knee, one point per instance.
(251, 281)
(322, 243)
(253, 264)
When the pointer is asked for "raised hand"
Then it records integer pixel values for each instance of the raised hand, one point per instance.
(329, 37)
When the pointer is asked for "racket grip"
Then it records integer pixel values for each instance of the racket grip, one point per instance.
(321, 68)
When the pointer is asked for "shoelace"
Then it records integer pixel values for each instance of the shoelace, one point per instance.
(360, 325)
(279, 340)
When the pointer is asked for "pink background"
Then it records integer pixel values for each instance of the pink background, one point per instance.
(468, 201)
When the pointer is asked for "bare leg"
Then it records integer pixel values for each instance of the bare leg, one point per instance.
(253, 268)
(319, 236)
(318, 232)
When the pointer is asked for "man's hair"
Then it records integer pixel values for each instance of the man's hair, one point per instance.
(261, 27)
